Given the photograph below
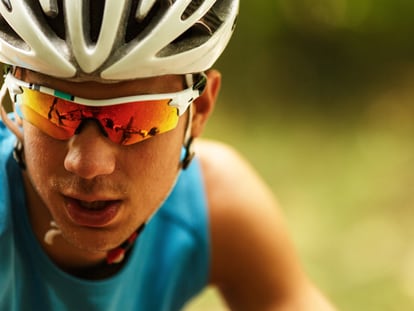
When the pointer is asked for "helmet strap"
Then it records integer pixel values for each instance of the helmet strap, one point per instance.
(189, 153)
(188, 139)
(18, 154)
(117, 255)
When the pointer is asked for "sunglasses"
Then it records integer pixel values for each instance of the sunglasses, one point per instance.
(125, 120)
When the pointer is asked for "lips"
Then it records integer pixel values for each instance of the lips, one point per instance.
(95, 214)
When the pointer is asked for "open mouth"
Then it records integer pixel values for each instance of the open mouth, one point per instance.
(92, 214)
(95, 205)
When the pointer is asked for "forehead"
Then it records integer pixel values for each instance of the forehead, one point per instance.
(100, 90)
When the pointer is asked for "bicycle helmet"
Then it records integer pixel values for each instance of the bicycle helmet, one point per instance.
(115, 39)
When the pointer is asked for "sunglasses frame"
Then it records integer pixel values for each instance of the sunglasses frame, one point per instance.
(180, 100)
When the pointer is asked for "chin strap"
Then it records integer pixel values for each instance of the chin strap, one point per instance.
(51, 233)
(116, 255)
(113, 256)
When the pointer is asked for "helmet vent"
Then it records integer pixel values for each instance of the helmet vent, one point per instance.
(143, 8)
(7, 33)
(191, 8)
(49, 7)
(52, 10)
(95, 12)
(7, 4)
(198, 34)
(138, 20)
(209, 22)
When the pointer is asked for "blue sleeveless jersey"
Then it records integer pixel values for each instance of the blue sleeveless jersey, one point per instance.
(168, 264)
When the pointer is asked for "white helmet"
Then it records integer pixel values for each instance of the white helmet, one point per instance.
(115, 39)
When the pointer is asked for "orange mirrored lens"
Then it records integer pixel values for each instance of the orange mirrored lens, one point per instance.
(124, 124)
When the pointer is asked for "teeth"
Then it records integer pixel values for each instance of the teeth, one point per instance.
(93, 205)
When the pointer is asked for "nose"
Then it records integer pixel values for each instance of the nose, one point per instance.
(90, 154)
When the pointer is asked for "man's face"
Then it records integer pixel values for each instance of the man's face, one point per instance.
(99, 192)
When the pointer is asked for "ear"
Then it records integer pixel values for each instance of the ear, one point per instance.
(204, 105)
(14, 126)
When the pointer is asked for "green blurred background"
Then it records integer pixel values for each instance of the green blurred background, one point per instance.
(318, 96)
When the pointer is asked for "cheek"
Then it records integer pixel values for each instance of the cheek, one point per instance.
(153, 167)
(43, 155)
(156, 161)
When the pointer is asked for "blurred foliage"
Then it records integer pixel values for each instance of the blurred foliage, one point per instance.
(315, 48)
(318, 95)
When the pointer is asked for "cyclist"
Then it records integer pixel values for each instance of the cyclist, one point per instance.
(102, 208)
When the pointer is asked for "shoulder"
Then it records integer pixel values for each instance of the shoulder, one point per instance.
(254, 263)
(229, 178)
(244, 214)
(236, 194)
